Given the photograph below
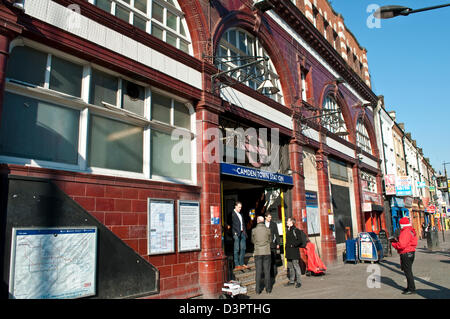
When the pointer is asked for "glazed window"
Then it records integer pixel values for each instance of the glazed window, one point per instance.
(334, 122)
(161, 18)
(362, 137)
(115, 145)
(235, 46)
(33, 128)
(68, 114)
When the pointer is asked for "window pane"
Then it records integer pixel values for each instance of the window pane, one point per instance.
(139, 22)
(182, 30)
(170, 39)
(122, 13)
(242, 45)
(66, 77)
(161, 106)
(38, 130)
(133, 97)
(232, 37)
(157, 32)
(162, 162)
(104, 4)
(181, 115)
(27, 65)
(171, 21)
(157, 12)
(141, 5)
(115, 145)
(103, 88)
(184, 46)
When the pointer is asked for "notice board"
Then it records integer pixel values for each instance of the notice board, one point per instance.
(188, 225)
(53, 263)
(161, 226)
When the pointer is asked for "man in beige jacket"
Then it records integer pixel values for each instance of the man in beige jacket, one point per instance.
(261, 241)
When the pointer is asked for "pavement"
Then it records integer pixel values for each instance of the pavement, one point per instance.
(383, 280)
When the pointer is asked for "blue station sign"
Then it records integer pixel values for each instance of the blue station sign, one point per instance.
(253, 173)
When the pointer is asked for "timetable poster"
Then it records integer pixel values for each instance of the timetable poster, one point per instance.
(161, 233)
(188, 226)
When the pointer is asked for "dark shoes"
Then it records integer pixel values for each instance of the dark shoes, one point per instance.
(408, 292)
(298, 285)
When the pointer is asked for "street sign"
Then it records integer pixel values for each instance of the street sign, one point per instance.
(431, 209)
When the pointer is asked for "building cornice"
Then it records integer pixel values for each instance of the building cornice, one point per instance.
(296, 20)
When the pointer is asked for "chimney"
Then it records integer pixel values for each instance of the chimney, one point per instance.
(392, 114)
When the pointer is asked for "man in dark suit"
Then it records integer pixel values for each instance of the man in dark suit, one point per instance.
(274, 245)
(239, 236)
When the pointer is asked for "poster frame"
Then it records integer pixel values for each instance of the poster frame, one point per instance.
(149, 223)
(52, 230)
(179, 228)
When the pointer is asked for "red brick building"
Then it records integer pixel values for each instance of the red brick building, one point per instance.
(106, 82)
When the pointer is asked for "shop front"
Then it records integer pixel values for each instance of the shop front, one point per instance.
(398, 211)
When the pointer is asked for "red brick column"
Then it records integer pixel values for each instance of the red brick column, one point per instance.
(380, 194)
(328, 241)
(5, 39)
(211, 258)
(298, 191)
(360, 218)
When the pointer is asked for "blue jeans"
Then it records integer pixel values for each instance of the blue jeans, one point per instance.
(239, 249)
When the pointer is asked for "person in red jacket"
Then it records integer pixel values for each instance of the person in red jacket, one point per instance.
(406, 247)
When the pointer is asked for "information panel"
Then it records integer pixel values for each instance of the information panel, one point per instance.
(53, 263)
(188, 225)
(312, 212)
(161, 230)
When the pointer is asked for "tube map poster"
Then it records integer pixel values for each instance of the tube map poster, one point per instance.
(53, 263)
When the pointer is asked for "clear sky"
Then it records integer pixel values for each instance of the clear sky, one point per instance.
(409, 63)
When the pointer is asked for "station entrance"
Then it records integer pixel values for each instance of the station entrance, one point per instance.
(257, 198)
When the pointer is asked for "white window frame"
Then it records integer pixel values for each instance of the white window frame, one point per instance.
(362, 137)
(147, 16)
(260, 51)
(331, 105)
(112, 112)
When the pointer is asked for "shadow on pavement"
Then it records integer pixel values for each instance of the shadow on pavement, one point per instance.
(434, 252)
(438, 292)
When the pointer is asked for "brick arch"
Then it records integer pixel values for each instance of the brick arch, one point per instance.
(197, 25)
(248, 21)
(330, 89)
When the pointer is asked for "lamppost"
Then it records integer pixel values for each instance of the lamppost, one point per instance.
(388, 12)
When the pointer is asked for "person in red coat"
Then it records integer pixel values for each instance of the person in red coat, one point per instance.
(406, 246)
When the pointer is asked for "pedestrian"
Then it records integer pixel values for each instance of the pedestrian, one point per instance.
(406, 246)
(261, 240)
(240, 236)
(292, 245)
(274, 245)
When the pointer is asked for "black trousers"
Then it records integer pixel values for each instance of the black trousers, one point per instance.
(406, 262)
(262, 264)
(273, 265)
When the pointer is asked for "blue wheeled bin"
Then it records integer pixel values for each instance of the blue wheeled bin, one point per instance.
(351, 251)
(369, 247)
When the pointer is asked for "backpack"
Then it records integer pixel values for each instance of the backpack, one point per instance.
(303, 240)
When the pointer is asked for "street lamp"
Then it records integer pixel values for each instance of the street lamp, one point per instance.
(388, 12)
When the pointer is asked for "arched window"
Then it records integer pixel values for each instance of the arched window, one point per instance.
(362, 137)
(334, 122)
(237, 44)
(161, 18)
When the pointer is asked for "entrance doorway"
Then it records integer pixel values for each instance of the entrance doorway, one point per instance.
(257, 198)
